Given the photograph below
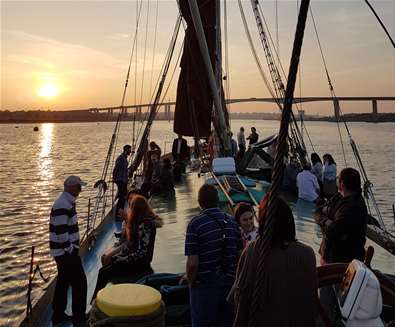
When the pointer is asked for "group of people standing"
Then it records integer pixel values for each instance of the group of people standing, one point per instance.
(242, 142)
(222, 256)
(222, 260)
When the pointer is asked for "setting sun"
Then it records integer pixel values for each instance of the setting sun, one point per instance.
(48, 91)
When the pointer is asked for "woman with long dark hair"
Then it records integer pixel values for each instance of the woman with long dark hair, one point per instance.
(289, 296)
(133, 257)
(329, 173)
(316, 166)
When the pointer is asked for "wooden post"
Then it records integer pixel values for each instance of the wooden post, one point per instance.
(374, 107)
(29, 288)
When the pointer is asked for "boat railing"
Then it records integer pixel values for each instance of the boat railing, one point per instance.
(32, 273)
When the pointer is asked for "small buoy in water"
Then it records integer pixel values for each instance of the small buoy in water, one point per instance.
(35, 129)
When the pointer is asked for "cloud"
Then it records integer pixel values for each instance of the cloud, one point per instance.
(119, 36)
(47, 54)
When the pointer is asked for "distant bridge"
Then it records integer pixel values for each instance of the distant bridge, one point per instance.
(167, 105)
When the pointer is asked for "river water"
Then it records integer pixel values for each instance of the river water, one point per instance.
(33, 166)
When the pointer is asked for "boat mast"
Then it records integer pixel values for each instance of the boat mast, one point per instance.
(214, 78)
(263, 243)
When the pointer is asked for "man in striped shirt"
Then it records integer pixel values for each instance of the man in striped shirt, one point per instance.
(213, 244)
(64, 241)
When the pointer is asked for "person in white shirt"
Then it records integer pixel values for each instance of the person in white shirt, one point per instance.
(307, 183)
(241, 140)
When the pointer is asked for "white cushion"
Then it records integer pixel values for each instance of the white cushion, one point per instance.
(224, 165)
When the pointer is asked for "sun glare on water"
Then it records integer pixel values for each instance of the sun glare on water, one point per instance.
(48, 91)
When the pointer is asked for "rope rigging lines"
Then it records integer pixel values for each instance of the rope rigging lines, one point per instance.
(154, 107)
(279, 91)
(367, 185)
(100, 198)
(263, 243)
(380, 22)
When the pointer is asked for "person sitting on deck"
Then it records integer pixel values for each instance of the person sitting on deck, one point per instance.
(120, 176)
(147, 164)
(316, 167)
(253, 138)
(344, 224)
(165, 183)
(291, 172)
(244, 215)
(329, 187)
(289, 294)
(151, 175)
(122, 234)
(133, 257)
(307, 183)
(212, 246)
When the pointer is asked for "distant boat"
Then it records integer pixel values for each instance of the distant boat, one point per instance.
(35, 129)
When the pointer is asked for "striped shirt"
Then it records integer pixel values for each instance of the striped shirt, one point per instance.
(64, 235)
(215, 237)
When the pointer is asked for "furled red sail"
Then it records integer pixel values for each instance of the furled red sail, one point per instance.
(194, 99)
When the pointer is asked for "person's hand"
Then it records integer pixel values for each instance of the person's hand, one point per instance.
(317, 217)
(158, 221)
(183, 280)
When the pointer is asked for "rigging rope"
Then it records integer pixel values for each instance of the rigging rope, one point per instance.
(154, 46)
(254, 53)
(145, 52)
(367, 185)
(100, 197)
(276, 78)
(138, 14)
(154, 107)
(381, 23)
(276, 24)
(263, 243)
(227, 81)
(335, 101)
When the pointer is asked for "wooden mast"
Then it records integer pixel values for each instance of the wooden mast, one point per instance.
(214, 77)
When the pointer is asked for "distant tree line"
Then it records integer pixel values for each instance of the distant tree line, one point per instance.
(41, 116)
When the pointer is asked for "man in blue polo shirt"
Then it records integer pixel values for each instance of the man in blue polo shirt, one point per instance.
(213, 244)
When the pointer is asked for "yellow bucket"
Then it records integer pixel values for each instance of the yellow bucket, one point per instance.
(126, 300)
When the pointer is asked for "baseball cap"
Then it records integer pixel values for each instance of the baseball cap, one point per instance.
(73, 181)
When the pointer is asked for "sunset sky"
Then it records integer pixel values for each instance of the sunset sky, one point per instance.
(74, 54)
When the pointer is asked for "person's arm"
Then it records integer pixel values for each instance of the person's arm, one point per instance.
(316, 185)
(192, 268)
(192, 253)
(337, 227)
(107, 257)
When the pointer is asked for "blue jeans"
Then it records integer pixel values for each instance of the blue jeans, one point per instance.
(209, 307)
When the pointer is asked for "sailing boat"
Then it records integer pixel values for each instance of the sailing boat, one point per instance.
(207, 107)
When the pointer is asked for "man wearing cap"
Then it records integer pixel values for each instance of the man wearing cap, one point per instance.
(120, 175)
(64, 241)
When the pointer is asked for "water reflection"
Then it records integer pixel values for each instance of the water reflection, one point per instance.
(45, 164)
